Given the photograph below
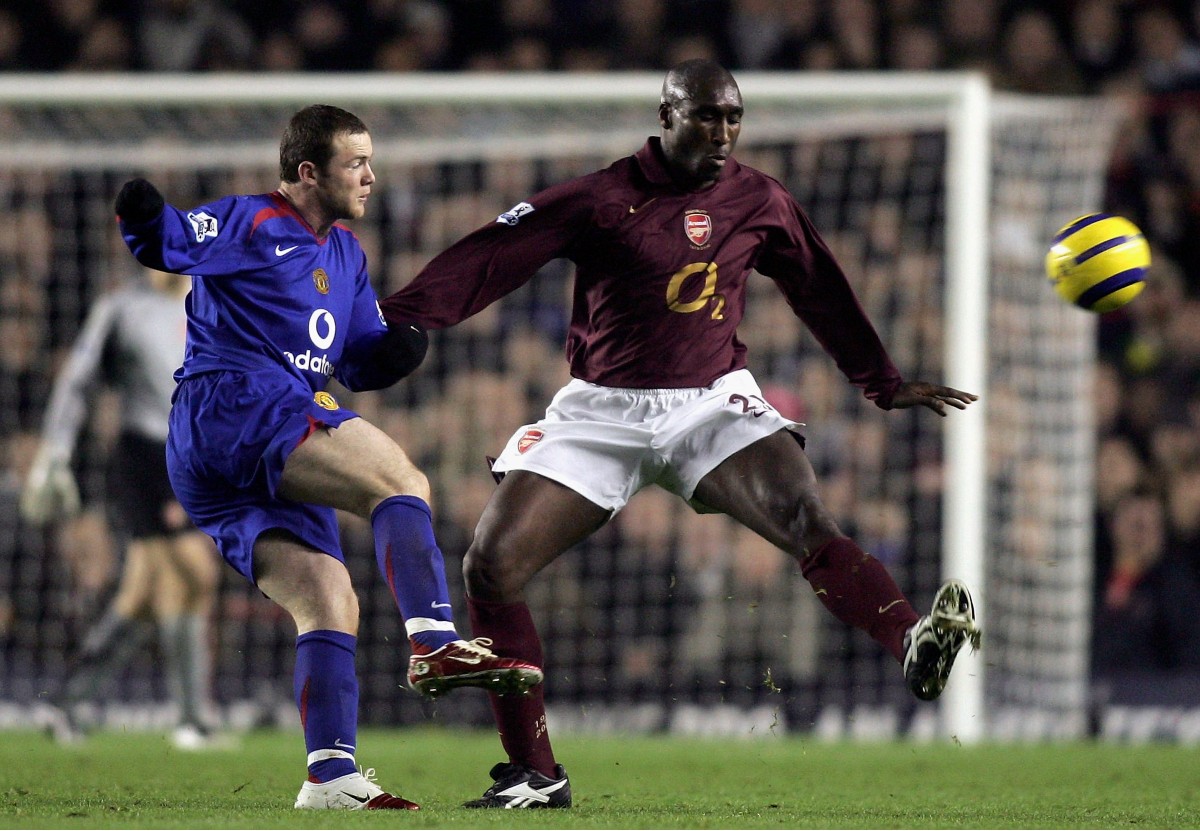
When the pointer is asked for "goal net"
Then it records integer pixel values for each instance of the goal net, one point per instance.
(937, 196)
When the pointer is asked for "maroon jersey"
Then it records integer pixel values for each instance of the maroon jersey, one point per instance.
(660, 283)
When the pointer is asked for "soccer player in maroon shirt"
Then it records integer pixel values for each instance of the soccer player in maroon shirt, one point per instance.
(663, 242)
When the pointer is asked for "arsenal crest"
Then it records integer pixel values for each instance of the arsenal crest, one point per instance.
(528, 440)
(698, 227)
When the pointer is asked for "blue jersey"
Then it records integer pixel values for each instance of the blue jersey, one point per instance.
(274, 312)
(266, 291)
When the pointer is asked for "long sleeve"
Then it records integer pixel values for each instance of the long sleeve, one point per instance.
(78, 377)
(494, 260)
(815, 286)
(197, 242)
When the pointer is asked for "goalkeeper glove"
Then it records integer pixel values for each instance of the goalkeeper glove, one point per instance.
(50, 491)
(139, 201)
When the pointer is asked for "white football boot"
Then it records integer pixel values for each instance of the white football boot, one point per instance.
(352, 792)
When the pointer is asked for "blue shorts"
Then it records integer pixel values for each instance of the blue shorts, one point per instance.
(230, 435)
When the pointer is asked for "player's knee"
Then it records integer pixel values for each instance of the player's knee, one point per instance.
(329, 607)
(416, 483)
(480, 574)
(384, 484)
(818, 527)
(487, 571)
(317, 593)
(333, 588)
(401, 480)
(806, 524)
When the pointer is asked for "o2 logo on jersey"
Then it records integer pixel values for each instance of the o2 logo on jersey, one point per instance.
(203, 225)
(513, 215)
(679, 286)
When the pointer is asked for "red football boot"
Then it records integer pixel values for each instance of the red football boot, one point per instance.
(470, 664)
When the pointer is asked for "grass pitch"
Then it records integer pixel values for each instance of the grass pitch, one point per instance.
(136, 780)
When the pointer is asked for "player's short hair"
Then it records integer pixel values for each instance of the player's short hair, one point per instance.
(685, 79)
(309, 138)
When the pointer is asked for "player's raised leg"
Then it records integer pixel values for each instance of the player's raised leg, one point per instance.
(770, 487)
(357, 468)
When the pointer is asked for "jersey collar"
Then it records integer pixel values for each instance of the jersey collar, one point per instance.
(654, 168)
(286, 208)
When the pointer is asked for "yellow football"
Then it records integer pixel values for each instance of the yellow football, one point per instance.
(1098, 262)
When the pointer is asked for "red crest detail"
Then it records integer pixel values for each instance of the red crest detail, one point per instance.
(528, 440)
(698, 227)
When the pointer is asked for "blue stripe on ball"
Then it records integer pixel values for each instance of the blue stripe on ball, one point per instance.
(1082, 222)
(1101, 247)
(1107, 286)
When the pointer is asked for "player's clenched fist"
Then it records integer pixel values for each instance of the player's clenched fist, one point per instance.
(139, 201)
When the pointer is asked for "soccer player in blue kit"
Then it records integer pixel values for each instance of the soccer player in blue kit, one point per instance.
(260, 455)
(663, 243)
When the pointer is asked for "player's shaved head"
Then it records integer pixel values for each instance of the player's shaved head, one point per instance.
(692, 79)
(700, 114)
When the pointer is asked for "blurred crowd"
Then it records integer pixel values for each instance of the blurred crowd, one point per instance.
(1147, 577)
(1064, 47)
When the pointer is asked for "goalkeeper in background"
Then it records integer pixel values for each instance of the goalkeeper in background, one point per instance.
(132, 341)
(260, 455)
(664, 242)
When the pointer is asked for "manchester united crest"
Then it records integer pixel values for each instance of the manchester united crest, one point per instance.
(321, 281)
(698, 227)
(325, 400)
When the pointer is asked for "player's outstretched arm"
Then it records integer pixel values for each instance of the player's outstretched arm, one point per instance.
(138, 202)
(933, 396)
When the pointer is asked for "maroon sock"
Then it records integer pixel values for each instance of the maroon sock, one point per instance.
(521, 719)
(859, 591)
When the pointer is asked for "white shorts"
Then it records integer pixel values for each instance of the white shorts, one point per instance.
(607, 443)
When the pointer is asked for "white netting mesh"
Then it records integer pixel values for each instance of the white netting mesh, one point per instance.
(664, 618)
(1041, 426)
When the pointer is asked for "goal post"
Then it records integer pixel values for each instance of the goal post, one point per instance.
(965, 538)
(937, 194)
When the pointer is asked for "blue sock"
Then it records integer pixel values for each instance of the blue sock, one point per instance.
(326, 691)
(412, 564)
